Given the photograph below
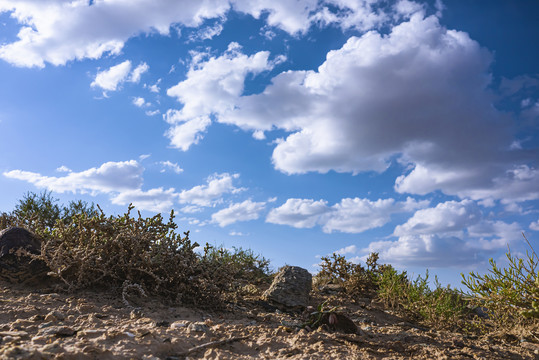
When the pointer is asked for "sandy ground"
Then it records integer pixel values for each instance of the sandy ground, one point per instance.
(41, 324)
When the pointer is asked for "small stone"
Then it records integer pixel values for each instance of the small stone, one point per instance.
(62, 331)
(179, 324)
(198, 327)
(44, 325)
(54, 316)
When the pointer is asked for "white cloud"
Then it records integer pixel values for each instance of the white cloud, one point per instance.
(299, 213)
(152, 112)
(111, 78)
(109, 177)
(432, 251)
(191, 209)
(56, 32)
(59, 31)
(63, 168)
(291, 16)
(350, 215)
(187, 133)
(207, 195)
(351, 249)
(206, 33)
(139, 102)
(534, 225)
(358, 215)
(137, 73)
(436, 81)
(450, 217)
(407, 8)
(157, 200)
(494, 234)
(155, 87)
(172, 166)
(450, 234)
(212, 86)
(244, 211)
(237, 233)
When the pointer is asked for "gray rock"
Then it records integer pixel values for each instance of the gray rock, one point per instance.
(290, 288)
(16, 264)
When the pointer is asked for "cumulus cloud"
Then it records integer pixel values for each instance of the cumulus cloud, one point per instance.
(534, 225)
(59, 31)
(157, 200)
(409, 94)
(111, 78)
(430, 250)
(299, 213)
(350, 215)
(56, 32)
(109, 177)
(244, 211)
(212, 86)
(207, 195)
(448, 217)
(453, 233)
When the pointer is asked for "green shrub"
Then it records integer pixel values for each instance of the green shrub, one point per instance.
(245, 265)
(40, 212)
(509, 294)
(357, 281)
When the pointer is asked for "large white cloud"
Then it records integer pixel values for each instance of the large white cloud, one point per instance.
(350, 215)
(244, 211)
(60, 31)
(419, 93)
(212, 86)
(453, 233)
(109, 177)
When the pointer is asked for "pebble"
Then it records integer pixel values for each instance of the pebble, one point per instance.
(59, 331)
(54, 316)
(198, 327)
(179, 324)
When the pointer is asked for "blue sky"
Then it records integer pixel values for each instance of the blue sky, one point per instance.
(294, 128)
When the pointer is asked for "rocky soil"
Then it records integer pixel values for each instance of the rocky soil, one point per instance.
(38, 323)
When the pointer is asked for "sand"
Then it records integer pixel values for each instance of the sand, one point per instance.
(43, 324)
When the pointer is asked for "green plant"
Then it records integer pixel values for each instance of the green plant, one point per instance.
(356, 280)
(510, 294)
(245, 265)
(316, 318)
(40, 212)
(441, 306)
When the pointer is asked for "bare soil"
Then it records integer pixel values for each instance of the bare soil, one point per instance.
(38, 323)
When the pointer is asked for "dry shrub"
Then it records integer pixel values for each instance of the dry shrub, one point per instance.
(117, 250)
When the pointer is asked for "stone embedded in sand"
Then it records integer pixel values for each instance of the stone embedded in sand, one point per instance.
(290, 288)
(16, 264)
